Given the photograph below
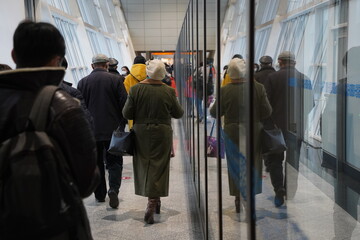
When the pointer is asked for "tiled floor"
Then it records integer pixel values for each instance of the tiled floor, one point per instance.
(310, 215)
(126, 223)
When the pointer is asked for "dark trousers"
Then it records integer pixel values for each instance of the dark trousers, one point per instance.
(274, 164)
(114, 165)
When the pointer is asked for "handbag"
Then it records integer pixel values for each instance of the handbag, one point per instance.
(272, 140)
(122, 143)
(212, 146)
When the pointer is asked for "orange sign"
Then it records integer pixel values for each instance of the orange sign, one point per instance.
(162, 53)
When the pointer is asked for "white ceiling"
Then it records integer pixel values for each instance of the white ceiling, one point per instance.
(154, 25)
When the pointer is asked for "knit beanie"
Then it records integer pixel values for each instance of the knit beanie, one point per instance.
(155, 69)
(139, 59)
(236, 68)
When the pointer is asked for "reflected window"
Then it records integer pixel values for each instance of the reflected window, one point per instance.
(292, 32)
(261, 40)
(265, 11)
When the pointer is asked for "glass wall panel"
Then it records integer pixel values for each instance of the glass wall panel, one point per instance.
(310, 191)
(210, 122)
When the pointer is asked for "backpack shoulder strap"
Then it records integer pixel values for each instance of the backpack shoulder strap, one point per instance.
(40, 109)
(135, 77)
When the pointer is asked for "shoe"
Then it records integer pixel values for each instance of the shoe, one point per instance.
(149, 213)
(237, 204)
(114, 200)
(279, 197)
(158, 206)
(100, 200)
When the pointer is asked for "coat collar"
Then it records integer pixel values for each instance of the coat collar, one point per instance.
(266, 68)
(31, 78)
(99, 70)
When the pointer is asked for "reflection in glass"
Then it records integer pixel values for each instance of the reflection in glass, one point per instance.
(314, 97)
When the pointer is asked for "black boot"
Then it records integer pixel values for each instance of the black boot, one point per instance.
(237, 204)
(158, 206)
(279, 197)
(149, 214)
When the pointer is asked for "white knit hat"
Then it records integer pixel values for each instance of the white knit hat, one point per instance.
(155, 69)
(236, 68)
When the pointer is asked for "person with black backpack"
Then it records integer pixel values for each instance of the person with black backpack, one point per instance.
(47, 148)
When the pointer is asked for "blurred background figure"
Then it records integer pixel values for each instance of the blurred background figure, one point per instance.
(113, 65)
(125, 71)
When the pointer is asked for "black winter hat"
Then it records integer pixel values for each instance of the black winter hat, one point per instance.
(237, 56)
(139, 59)
(265, 60)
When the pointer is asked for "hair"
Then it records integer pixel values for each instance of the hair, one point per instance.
(35, 44)
(237, 56)
(101, 65)
(127, 69)
(139, 60)
(4, 67)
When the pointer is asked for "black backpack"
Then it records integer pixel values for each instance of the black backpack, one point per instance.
(38, 197)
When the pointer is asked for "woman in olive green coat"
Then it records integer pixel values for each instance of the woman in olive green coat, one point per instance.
(233, 106)
(152, 104)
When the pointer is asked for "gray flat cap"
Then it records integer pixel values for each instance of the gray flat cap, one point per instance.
(287, 55)
(100, 58)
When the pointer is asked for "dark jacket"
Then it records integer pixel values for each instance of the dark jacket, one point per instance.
(68, 124)
(114, 71)
(285, 90)
(263, 73)
(105, 96)
(77, 94)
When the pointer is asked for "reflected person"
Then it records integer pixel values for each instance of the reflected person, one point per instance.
(286, 89)
(233, 106)
(151, 104)
(266, 68)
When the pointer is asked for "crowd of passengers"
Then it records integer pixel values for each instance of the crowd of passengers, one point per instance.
(81, 122)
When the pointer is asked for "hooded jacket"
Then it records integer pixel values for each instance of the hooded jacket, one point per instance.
(137, 74)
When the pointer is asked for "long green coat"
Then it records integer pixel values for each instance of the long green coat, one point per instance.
(233, 106)
(152, 106)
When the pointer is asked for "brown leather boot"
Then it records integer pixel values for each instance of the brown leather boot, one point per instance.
(149, 214)
(158, 206)
(237, 204)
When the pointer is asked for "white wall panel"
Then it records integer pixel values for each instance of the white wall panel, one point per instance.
(11, 13)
